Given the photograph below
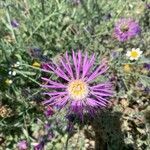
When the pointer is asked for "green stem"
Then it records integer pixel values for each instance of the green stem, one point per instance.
(28, 77)
(40, 24)
(10, 27)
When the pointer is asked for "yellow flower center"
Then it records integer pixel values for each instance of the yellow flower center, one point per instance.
(134, 54)
(124, 28)
(78, 90)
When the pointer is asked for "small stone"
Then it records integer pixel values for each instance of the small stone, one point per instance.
(87, 140)
(86, 145)
(92, 143)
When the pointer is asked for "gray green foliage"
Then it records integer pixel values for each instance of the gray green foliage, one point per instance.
(46, 30)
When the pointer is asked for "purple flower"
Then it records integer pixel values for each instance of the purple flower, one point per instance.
(115, 54)
(147, 66)
(14, 23)
(147, 89)
(71, 117)
(126, 29)
(49, 111)
(45, 66)
(139, 85)
(39, 146)
(22, 145)
(77, 88)
(47, 126)
(148, 6)
(50, 135)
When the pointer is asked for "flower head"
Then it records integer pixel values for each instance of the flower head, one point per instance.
(78, 90)
(8, 81)
(39, 146)
(127, 68)
(126, 29)
(148, 6)
(14, 23)
(36, 64)
(134, 54)
(12, 73)
(147, 66)
(147, 89)
(22, 145)
(15, 65)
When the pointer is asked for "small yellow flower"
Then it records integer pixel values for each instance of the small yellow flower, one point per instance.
(36, 64)
(134, 54)
(8, 81)
(127, 68)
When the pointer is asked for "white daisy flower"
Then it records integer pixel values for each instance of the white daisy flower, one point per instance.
(13, 73)
(134, 54)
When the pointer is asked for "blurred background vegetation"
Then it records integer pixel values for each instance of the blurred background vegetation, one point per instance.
(33, 32)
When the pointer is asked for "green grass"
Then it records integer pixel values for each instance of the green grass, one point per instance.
(58, 26)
